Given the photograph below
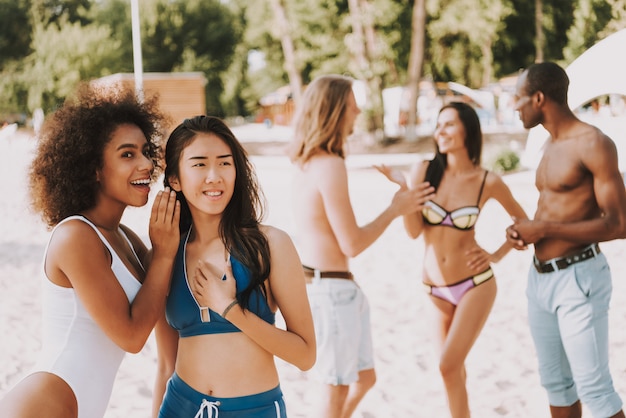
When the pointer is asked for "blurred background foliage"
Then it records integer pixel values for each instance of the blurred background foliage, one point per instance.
(47, 46)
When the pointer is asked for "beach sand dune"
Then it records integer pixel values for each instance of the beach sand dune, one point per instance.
(501, 369)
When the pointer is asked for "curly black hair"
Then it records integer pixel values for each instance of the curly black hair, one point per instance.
(549, 78)
(71, 146)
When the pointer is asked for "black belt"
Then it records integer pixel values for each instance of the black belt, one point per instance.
(310, 273)
(561, 263)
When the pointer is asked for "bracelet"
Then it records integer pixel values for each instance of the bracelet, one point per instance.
(228, 308)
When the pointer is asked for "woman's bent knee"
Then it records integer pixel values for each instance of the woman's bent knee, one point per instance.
(451, 370)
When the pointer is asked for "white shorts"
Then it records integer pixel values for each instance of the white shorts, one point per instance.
(341, 316)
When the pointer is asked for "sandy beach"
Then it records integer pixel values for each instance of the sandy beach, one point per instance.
(501, 369)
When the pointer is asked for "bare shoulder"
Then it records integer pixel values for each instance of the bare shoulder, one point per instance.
(589, 137)
(282, 248)
(79, 239)
(493, 179)
(74, 232)
(326, 172)
(275, 236)
(326, 161)
(595, 147)
(494, 184)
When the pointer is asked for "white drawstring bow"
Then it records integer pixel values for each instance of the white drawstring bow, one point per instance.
(210, 407)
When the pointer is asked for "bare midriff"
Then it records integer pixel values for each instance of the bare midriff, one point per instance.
(225, 365)
(445, 258)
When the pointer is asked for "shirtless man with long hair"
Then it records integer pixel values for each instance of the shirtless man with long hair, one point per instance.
(330, 236)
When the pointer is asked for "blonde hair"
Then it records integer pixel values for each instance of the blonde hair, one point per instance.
(319, 124)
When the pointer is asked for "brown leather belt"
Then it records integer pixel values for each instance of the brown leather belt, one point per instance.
(310, 273)
(561, 263)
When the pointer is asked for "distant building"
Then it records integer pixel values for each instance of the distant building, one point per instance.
(181, 95)
(276, 108)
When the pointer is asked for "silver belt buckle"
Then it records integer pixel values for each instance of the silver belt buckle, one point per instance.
(317, 275)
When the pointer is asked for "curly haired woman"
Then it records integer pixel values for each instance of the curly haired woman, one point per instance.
(103, 290)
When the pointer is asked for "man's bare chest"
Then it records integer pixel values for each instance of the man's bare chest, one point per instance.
(560, 170)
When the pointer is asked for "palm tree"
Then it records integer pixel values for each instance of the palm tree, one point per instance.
(416, 61)
(284, 32)
(539, 36)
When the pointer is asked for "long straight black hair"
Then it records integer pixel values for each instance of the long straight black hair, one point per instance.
(239, 226)
(473, 142)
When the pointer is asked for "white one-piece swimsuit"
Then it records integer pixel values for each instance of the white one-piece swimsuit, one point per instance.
(73, 345)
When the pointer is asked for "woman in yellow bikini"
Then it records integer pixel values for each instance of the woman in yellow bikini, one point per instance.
(457, 273)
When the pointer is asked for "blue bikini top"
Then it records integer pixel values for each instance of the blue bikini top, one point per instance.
(183, 311)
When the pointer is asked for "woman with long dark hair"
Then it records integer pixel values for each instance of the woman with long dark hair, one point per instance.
(456, 270)
(232, 273)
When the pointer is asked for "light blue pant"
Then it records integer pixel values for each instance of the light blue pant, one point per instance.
(568, 317)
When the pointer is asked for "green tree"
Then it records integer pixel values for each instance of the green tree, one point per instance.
(515, 47)
(13, 92)
(317, 31)
(283, 32)
(191, 35)
(115, 14)
(540, 39)
(515, 44)
(62, 58)
(235, 97)
(331, 36)
(463, 33)
(366, 63)
(416, 62)
(618, 18)
(47, 45)
(58, 12)
(378, 34)
(558, 18)
(590, 18)
(15, 30)
(180, 35)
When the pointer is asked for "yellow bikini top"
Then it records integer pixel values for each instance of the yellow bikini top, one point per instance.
(463, 218)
